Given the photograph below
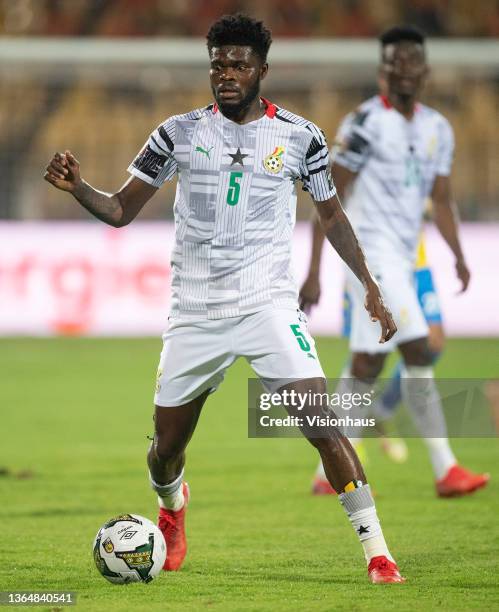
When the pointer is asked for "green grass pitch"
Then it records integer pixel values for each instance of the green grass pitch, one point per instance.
(76, 413)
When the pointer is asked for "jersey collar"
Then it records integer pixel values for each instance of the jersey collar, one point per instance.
(270, 109)
(387, 104)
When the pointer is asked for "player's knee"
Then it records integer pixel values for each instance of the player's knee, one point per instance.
(417, 353)
(436, 339)
(366, 366)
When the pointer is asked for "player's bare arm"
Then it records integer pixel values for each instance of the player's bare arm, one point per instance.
(311, 289)
(118, 209)
(339, 232)
(447, 220)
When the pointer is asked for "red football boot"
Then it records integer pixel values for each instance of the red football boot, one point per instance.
(459, 481)
(321, 486)
(383, 571)
(172, 526)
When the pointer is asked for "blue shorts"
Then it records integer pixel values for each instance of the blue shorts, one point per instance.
(427, 297)
(347, 314)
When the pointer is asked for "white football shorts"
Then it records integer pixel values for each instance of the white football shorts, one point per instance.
(196, 353)
(400, 295)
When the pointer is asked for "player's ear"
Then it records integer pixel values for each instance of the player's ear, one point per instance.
(264, 68)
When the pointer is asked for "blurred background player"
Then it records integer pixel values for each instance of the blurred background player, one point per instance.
(394, 153)
(390, 396)
(238, 160)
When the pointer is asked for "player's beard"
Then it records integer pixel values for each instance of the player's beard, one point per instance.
(232, 111)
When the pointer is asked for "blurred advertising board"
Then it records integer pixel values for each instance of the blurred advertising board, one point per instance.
(85, 278)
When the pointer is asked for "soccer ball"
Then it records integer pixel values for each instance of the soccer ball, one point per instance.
(129, 548)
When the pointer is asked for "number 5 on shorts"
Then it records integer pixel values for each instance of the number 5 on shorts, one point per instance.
(302, 341)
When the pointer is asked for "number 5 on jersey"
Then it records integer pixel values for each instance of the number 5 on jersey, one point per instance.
(234, 188)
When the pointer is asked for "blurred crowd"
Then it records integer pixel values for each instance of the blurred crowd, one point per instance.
(89, 108)
(355, 18)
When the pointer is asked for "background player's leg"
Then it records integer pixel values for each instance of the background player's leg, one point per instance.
(391, 396)
(423, 401)
(421, 396)
(342, 468)
(173, 428)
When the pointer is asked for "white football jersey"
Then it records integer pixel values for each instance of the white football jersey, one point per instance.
(235, 205)
(397, 161)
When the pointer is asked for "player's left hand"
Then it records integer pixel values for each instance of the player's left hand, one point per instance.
(379, 312)
(463, 274)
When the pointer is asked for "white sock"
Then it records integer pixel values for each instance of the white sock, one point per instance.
(441, 456)
(421, 396)
(360, 508)
(171, 495)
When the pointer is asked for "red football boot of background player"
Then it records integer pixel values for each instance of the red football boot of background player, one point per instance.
(459, 481)
(321, 486)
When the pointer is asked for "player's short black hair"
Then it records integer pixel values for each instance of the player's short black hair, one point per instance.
(402, 34)
(241, 30)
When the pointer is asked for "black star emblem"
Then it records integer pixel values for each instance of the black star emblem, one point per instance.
(237, 157)
(362, 530)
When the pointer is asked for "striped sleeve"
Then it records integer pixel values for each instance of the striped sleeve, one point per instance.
(315, 172)
(156, 161)
(353, 141)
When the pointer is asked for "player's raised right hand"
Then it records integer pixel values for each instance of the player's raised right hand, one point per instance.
(63, 171)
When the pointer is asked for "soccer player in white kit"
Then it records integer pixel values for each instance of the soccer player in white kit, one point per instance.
(233, 294)
(393, 153)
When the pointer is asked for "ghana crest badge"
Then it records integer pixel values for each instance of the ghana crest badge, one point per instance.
(273, 162)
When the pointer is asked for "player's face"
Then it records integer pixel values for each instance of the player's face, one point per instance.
(404, 68)
(235, 75)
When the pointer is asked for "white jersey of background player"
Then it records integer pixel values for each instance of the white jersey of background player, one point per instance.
(396, 162)
(393, 153)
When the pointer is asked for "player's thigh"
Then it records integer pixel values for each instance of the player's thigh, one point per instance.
(279, 347)
(194, 359)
